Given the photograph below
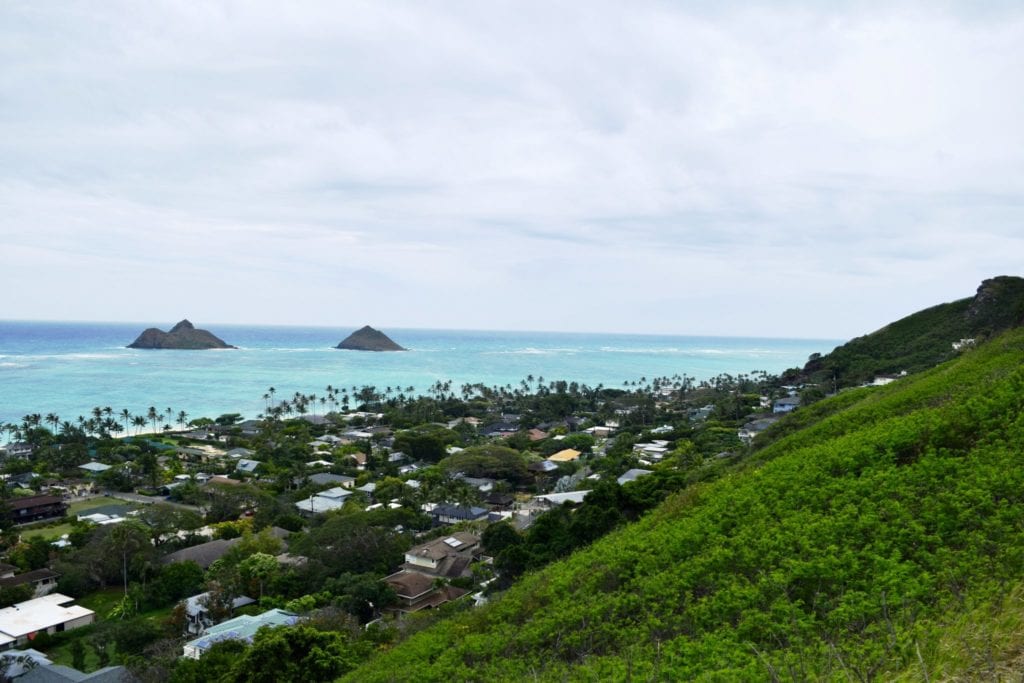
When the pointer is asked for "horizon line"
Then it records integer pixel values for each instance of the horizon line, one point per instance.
(425, 329)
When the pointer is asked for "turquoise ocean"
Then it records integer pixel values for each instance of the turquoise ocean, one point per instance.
(68, 368)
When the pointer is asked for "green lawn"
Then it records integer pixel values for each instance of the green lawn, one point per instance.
(78, 507)
(101, 602)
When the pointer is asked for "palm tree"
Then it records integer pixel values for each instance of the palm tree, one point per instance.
(126, 417)
(139, 421)
(152, 415)
(182, 419)
(53, 420)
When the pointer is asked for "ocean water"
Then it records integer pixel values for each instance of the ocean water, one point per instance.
(68, 368)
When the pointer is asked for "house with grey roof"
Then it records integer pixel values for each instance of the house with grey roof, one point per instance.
(243, 628)
(632, 475)
(94, 468)
(786, 405)
(247, 466)
(197, 612)
(325, 501)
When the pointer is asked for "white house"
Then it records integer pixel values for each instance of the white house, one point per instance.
(51, 613)
(325, 501)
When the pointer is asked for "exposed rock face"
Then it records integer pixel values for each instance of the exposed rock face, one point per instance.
(184, 335)
(368, 339)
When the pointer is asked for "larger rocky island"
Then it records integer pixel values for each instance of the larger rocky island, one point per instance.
(184, 335)
(368, 339)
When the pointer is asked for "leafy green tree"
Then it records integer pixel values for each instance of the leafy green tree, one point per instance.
(77, 649)
(215, 665)
(258, 569)
(296, 653)
(10, 595)
(426, 442)
(175, 582)
(497, 537)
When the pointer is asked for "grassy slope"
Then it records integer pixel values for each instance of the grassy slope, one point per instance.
(924, 339)
(857, 544)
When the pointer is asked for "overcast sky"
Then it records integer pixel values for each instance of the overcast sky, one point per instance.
(773, 170)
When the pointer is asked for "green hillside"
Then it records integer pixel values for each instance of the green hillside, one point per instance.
(884, 539)
(924, 339)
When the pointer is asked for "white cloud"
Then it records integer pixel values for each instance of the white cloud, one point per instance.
(773, 170)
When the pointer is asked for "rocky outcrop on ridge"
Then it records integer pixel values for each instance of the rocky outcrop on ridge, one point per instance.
(184, 335)
(368, 339)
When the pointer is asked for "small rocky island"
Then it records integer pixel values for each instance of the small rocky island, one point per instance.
(368, 339)
(184, 335)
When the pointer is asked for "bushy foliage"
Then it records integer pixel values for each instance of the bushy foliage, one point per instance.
(849, 544)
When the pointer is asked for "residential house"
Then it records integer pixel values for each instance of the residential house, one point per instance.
(751, 429)
(240, 628)
(453, 514)
(654, 450)
(442, 558)
(600, 431)
(19, 449)
(786, 405)
(447, 557)
(203, 554)
(197, 613)
(236, 453)
(542, 467)
(35, 508)
(221, 480)
(499, 429)
(94, 468)
(481, 484)
(358, 458)
(566, 455)
(536, 434)
(247, 466)
(496, 500)
(326, 479)
(632, 475)
(417, 591)
(555, 499)
(325, 501)
(32, 666)
(51, 613)
(43, 581)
